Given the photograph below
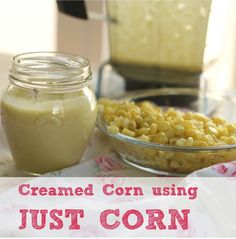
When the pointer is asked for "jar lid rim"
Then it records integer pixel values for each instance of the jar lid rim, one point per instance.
(49, 70)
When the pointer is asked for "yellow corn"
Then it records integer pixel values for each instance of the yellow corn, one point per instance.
(150, 123)
(128, 132)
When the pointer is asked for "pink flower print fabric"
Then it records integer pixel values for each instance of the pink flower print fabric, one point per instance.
(226, 169)
(107, 164)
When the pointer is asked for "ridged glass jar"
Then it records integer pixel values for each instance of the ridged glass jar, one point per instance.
(48, 110)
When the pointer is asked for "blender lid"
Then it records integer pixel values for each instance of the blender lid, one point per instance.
(75, 8)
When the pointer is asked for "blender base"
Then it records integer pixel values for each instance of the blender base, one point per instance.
(111, 74)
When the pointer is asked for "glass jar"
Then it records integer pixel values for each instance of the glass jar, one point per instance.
(48, 110)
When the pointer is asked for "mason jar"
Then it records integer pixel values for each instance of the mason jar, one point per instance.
(48, 110)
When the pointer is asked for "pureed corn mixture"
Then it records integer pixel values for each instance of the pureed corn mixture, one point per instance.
(148, 122)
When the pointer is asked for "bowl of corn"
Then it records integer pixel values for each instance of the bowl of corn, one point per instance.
(170, 131)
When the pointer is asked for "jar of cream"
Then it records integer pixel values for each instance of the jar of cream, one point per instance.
(48, 110)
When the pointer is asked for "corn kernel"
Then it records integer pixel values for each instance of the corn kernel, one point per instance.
(179, 130)
(171, 112)
(153, 128)
(188, 116)
(160, 138)
(218, 120)
(231, 128)
(180, 142)
(201, 135)
(211, 130)
(108, 118)
(143, 131)
(170, 133)
(209, 139)
(198, 125)
(144, 124)
(179, 120)
(113, 129)
(231, 140)
(132, 125)
(175, 164)
(125, 122)
(189, 141)
(223, 131)
(135, 112)
(160, 116)
(118, 122)
(144, 138)
(110, 110)
(163, 125)
(187, 124)
(150, 119)
(173, 140)
(138, 119)
(210, 124)
(191, 133)
(128, 132)
(200, 143)
(200, 117)
(169, 155)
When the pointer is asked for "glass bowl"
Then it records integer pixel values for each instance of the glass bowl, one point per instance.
(168, 159)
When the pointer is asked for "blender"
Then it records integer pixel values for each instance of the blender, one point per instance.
(155, 43)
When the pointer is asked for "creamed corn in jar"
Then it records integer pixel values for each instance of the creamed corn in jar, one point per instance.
(48, 110)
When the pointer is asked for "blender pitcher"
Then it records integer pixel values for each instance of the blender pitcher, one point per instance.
(156, 43)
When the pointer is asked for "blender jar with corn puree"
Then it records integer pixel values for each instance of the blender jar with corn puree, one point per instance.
(48, 110)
